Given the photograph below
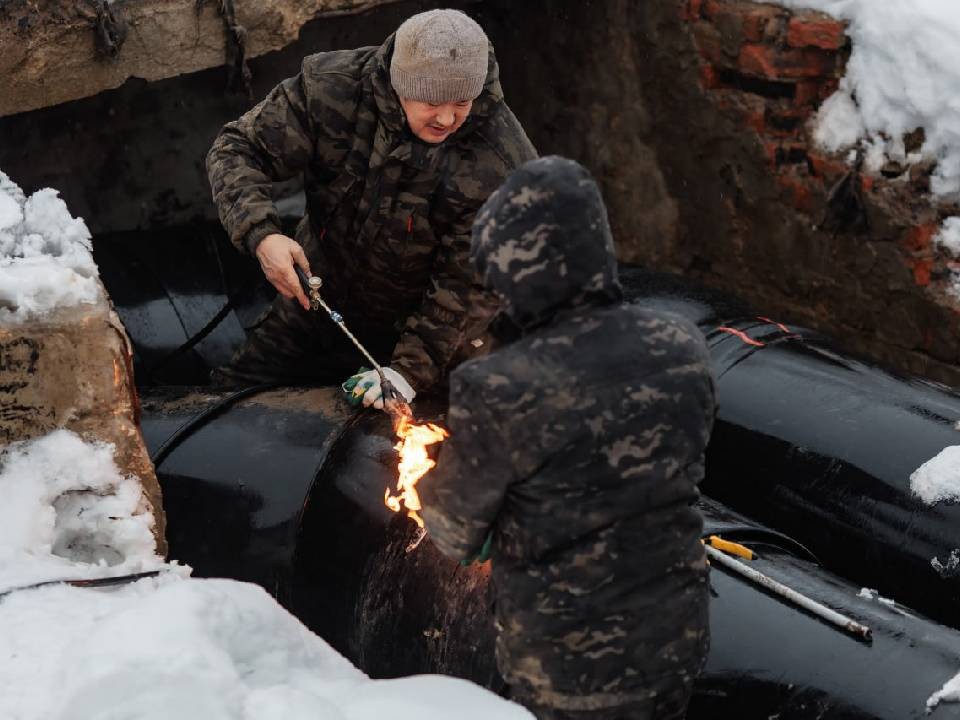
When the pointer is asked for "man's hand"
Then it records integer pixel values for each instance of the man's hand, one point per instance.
(277, 254)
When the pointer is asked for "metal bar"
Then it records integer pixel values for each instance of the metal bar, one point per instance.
(778, 588)
(335, 316)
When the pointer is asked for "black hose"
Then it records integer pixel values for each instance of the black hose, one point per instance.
(201, 419)
(86, 582)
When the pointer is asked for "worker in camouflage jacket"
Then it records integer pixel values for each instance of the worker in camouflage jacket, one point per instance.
(399, 146)
(577, 449)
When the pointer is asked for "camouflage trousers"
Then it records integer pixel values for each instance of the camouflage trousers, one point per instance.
(604, 654)
(668, 705)
(292, 346)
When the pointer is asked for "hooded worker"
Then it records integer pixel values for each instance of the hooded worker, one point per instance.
(576, 451)
(398, 146)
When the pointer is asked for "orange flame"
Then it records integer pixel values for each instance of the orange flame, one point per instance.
(414, 464)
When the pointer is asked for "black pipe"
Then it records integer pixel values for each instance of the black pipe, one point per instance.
(286, 489)
(813, 442)
(821, 446)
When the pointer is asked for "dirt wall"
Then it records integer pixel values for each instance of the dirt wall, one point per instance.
(694, 115)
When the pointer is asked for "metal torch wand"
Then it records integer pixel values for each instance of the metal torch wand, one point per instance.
(394, 403)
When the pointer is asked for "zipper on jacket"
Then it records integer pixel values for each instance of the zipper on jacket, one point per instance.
(406, 244)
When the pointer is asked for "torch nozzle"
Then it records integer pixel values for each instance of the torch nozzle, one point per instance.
(395, 405)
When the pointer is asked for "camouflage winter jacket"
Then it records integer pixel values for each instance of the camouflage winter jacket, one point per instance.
(579, 446)
(388, 217)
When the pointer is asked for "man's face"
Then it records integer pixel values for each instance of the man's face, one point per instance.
(435, 123)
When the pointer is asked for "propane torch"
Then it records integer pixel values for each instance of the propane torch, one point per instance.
(394, 403)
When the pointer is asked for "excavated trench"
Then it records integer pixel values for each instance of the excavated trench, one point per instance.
(706, 171)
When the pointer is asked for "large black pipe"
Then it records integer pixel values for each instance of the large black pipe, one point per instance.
(808, 439)
(821, 445)
(285, 488)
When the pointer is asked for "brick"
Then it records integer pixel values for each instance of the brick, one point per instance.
(919, 238)
(772, 63)
(770, 150)
(709, 77)
(798, 191)
(690, 10)
(710, 9)
(710, 44)
(808, 93)
(762, 24)
(820, 32)
(785, 122)
(922, 270)
(828, 168)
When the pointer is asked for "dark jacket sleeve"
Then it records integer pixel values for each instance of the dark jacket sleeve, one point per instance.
(456, 299)
(462, 496)
(271, 142)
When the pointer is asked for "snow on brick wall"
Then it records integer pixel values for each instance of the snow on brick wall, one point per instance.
(871, 201)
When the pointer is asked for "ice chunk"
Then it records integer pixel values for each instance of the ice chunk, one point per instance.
(938, 479)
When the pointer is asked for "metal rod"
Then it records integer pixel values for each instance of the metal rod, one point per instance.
(778, 588)
(393, 402)
(335, 316)
(311, 286)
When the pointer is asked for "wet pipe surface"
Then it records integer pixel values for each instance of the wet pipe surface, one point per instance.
(311, 526)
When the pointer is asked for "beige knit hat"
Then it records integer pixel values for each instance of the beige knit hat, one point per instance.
(439, 56)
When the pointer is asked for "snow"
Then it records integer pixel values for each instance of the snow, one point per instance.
(870, 594)
(950, 692)
(163, 647)
(949, 236)
(950, 568)
(199, 650)
(68, 512)
(903, 73)
(45, 255)
(938, 479)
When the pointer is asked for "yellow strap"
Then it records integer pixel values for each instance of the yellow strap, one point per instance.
(731, 547)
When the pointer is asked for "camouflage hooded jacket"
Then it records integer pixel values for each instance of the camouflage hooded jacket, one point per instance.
(388, 217)
(579, 446)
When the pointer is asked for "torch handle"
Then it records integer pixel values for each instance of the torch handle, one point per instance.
(304, 279)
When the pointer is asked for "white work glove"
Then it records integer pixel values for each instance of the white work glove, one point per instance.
(364, 387)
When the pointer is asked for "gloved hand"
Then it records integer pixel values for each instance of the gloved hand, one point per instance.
(364, 387)
(484, 553)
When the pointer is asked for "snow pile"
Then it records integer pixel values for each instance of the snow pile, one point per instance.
(903, 74)
(199, 650)
(67, 512)
(164, 647)
(938, 479)
(45, 259)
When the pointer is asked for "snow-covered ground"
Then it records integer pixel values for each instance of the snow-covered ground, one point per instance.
(163, 647)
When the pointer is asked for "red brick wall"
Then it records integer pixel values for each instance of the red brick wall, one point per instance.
(768, 69)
